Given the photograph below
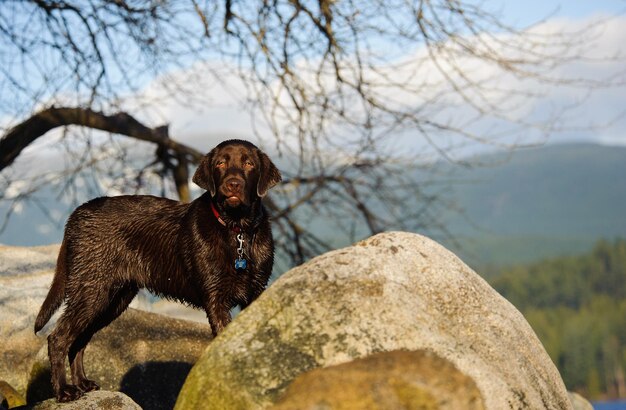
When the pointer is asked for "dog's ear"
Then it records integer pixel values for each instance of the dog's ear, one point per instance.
(203, 176)
(268, 176)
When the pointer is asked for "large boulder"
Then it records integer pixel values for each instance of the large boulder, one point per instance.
(17, 260)
(387, 380)
(145, 355)
(95, 400)
(579, 402)
(25, 276)
(394, 291)
(9, 397)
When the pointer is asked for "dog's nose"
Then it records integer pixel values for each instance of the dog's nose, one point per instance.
(234, 184)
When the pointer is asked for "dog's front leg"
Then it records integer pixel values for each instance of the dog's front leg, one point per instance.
(218, 314)
(253, 293)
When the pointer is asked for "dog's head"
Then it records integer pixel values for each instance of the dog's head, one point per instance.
(236, 172)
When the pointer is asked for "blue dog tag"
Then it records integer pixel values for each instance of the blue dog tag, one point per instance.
(240, 264)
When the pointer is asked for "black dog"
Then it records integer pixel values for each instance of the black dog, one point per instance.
(213, 253)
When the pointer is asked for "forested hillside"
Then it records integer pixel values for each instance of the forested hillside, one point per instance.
(540, 203)
(577, 307)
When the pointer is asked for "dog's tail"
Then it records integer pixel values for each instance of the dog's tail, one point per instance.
(56, 294)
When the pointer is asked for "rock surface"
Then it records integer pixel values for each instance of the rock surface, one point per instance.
(25, 276)
(9, 397)
(95, 400)
(144, 355)
(579, 402)
(388, 380)
(17, 260)
(394, 291)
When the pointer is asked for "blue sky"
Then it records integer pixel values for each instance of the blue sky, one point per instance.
(220, 116)
(603, 107)
(525, 12)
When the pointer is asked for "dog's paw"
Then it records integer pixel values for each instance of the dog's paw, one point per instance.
(87, 385)
(68, 392)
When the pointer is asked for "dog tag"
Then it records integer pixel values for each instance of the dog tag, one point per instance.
(240, 264)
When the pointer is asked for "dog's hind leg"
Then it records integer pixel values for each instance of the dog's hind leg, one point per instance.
(85, 304)
(70, 324)
(118, 303)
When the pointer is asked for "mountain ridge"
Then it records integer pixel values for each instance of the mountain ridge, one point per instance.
(564, 196)
(532, 203)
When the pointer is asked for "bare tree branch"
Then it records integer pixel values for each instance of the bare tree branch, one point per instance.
(331, 87)
(25, 133)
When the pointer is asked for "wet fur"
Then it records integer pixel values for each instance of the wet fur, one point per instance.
(113, 246)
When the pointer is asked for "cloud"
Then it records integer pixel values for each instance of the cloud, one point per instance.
(597, 115)
(202, 105)
(44, 229)
(216, 108)
(213, 104)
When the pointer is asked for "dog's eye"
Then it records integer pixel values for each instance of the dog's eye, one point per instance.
(220, 164)
(248, 164)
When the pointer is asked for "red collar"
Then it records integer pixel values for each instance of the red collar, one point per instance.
(235, 228)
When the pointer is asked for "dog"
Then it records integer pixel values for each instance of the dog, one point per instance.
(214, 253)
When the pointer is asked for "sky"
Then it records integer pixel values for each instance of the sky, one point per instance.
(220, 115)
(203, 125)
(599, 119)
(605, 104)
(527, 12)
